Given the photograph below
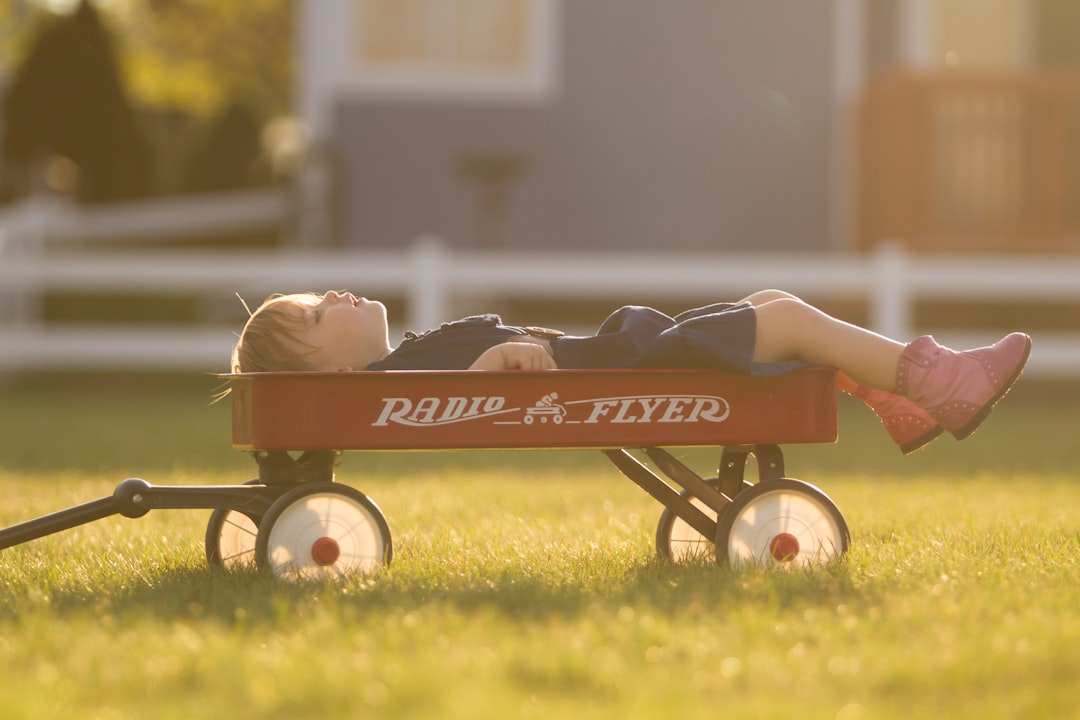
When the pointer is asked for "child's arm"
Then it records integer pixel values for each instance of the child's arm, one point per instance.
(515, 356)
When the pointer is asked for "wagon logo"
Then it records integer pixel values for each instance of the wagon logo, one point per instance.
(546, 408)
(657, 408)
(623, 409)
(429, 411)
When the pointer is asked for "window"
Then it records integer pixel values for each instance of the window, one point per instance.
(454, 47)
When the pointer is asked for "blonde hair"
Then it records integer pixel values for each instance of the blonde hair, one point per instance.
(268, 342)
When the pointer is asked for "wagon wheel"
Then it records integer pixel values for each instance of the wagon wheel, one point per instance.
(322, 530)
(677, 541)
(781, 522)
(230, 537)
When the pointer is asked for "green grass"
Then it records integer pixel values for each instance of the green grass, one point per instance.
(525, 584)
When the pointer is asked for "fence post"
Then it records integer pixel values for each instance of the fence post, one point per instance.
(890, 293)
(428, 280)
(28, 227)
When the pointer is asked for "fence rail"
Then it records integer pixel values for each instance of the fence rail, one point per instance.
(431, 279)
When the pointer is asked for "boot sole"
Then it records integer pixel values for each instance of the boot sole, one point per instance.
(922, 441)
(976, 421)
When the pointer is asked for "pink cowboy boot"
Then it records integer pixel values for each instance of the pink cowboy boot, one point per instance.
(958, 389)
(908, 425)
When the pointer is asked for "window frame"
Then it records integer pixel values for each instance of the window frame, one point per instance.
(537, 80)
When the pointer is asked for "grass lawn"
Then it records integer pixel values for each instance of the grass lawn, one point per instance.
(525, 584)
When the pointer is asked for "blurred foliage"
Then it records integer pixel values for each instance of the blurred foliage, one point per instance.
(227, 154)
(196, 55)
(13, 21)
(204, 80)
(67, 99)
(206, 55)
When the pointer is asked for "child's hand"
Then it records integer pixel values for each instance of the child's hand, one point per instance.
(515, 356)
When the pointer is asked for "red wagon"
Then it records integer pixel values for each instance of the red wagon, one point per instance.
(295, 520)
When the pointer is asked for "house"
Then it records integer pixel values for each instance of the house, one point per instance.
(821, 125)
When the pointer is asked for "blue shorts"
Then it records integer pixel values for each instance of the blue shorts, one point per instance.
(718, 336)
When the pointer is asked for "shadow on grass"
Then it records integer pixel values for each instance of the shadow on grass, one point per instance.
(254, 600)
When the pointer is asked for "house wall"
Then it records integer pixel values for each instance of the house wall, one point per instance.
(681, 124)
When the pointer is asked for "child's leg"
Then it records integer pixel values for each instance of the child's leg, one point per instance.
(763, 296)
(789, 329)
(957, 389)
(908, 425)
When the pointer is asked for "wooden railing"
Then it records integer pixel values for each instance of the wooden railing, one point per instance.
(957, 163)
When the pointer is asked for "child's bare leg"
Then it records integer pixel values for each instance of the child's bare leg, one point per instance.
(763, 296)
(955, 389)
(789, 329)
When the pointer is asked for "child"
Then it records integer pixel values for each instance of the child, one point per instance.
(918, 390)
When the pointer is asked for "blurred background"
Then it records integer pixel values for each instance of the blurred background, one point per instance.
(912, 165)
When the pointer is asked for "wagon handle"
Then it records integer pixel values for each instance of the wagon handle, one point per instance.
(135, 497)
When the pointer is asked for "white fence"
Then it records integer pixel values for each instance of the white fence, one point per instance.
(432, 280)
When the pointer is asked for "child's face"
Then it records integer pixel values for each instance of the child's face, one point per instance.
(345, 332)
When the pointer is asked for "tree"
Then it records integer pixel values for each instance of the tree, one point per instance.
(201, 55)
(185, 66)
(67, 100)
(228, 155)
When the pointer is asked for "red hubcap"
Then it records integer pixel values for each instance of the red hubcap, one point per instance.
(325, 551)
(784, 547)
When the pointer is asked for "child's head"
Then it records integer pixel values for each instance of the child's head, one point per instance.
(329, 331)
